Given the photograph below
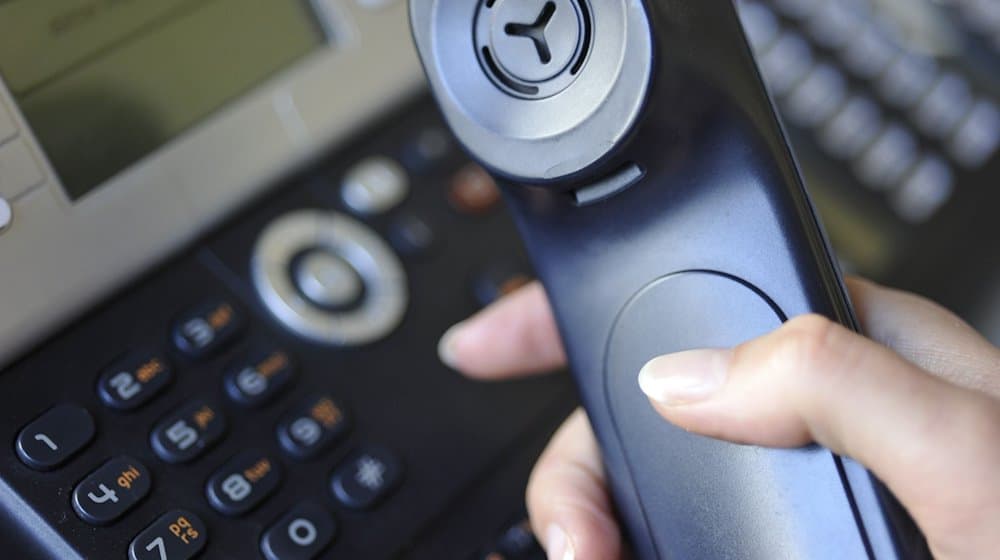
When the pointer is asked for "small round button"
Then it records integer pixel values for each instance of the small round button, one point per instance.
(328, 280)
(375, 186)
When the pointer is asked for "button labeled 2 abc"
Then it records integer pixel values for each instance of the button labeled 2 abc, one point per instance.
(301, 534)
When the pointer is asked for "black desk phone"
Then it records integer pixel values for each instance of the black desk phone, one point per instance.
(197, 411)
(181, 418)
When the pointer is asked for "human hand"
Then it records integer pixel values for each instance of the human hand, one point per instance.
(918, 404)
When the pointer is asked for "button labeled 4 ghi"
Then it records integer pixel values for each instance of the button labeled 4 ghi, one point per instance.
(188, 432)
(177, 535)
(111, 490)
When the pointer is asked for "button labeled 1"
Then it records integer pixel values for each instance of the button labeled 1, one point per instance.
(55, 436)
(177, 535)
(111, 490)
(300, 535)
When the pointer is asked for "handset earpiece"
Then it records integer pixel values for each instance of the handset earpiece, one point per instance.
(662, 207)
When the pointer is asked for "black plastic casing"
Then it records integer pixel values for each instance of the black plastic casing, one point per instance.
(720, 194)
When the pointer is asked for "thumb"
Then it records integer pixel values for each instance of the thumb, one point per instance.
(932, 443)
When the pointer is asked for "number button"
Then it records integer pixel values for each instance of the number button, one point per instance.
(366, 479)
(255, 381)
(243, 483)
(188, 432)
(55, 436)
(177, 535)
(301, 534)
(133, 381)
(111, 490)
(312, 427)
(206, 329)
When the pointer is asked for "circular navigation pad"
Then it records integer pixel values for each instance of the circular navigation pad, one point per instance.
(329, 278)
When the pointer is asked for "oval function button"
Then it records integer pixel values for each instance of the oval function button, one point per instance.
(301, 534)
(188, 432)
(55, 436)
(134, 380)
(111, 490)
(375, 186)
(243, 483)
(384, 301)
(176, 535)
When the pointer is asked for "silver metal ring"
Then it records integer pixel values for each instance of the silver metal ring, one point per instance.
(386, 294)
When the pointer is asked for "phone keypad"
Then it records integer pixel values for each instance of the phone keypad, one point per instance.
(110, 491)
(176, 535)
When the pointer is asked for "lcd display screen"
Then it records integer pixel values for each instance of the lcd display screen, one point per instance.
(103, 83)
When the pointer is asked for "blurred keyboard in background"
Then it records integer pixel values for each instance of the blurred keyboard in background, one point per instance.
(893, 107)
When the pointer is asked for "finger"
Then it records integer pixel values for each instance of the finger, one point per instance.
(931, 442)
(517, 335)
(927, 335)
(567, 497)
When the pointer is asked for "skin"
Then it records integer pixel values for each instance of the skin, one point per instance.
(918, 403)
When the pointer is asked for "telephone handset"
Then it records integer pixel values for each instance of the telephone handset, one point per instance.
(662, 207)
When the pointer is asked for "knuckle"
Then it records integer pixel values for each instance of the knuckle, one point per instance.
(809, 342)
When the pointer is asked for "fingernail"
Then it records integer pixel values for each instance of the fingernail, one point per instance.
(558, 545)
(446, 346)
(685, 377)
